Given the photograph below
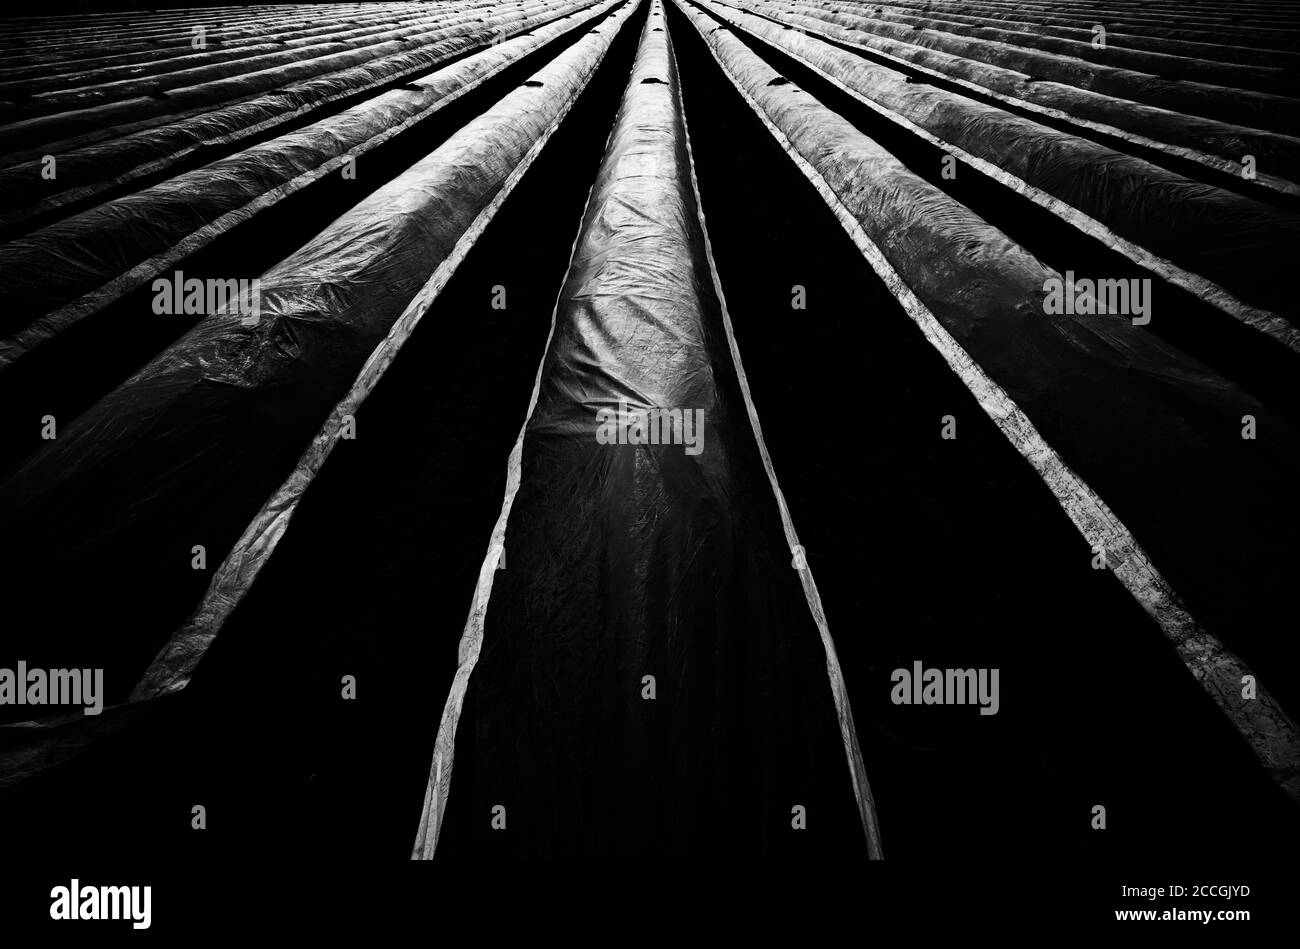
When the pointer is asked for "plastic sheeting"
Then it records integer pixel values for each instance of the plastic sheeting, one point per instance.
(1180, 24)
(174, 665)
(1160, 121)
(186, 451)
(120, 29)
(1089, 383)
(75, 72)
(1117, 53)
(1258, 109)
(1164, 19)
(226, 33)
(1028, 29)
(123, 243)
(113, 83)
(630, 560)
(1233, 241)
(106, 88)
(49, 128)
(139, 151)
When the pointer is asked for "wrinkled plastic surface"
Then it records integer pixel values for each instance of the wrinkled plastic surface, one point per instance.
(187, 450)
(60, 263)
(236, 87)
(1170, 62)
(230, 39)
(168, 67)
(1148, 428)
(626, 561)
(1029, 29)
(86, 167)
(1244, 30)
(1230, 136)
(1257, 109)
(1238, 243)
(105, 88)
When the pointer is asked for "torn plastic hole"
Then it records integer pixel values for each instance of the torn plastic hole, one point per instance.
(533, 84)
(779, 81)
(652, 81)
